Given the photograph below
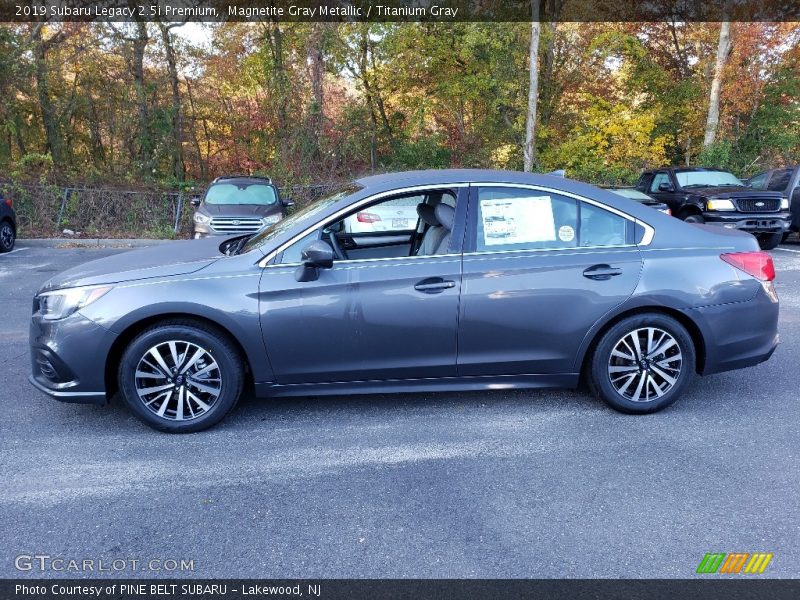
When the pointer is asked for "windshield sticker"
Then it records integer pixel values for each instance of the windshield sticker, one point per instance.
(520, 220)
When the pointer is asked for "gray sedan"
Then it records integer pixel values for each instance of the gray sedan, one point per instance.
(504, 280)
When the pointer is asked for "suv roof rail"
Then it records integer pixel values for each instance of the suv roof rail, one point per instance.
(222, 177)
(557, 173)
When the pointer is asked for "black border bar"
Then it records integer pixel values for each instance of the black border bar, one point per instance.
(402, 589)
(398, 10)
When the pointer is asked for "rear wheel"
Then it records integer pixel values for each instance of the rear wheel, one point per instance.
(643, 363)
(769, 241)
(8, 237)
(181, 376)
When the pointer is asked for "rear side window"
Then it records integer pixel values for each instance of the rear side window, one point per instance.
(521, 219)
(779, 181)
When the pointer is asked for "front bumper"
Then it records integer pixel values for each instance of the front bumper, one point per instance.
(68, 358)
(751, 222)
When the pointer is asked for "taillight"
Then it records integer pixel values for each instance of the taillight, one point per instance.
(365, 217)
(9, 202)
(755, 264)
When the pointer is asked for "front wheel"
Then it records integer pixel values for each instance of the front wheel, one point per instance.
(769, 241)
(643, 363)
(8, 237)
(181, 376)
(694, 218)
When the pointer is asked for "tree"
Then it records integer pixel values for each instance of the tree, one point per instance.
(723, 51)
(529, 151)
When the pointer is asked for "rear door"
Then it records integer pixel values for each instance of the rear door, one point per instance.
(540, 269)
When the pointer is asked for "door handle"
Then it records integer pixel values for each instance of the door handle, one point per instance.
(602, 272)
(434, 285)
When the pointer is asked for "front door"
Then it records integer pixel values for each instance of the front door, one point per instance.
(376, 318)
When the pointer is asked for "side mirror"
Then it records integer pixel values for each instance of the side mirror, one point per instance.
(317, 255)
(287, 202)
(195, 201)
(665, 187)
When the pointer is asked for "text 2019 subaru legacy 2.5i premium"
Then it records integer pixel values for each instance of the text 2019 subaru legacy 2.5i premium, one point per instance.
(505, 280)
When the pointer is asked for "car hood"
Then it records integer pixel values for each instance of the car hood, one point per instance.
(176, 258)
(732, 192)
(232, 211)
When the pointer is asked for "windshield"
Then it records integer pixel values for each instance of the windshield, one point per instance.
(304, 215)
(257, 194)
(706, 179)
(633, 194)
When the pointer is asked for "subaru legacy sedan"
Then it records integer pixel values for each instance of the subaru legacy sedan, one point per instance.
(504, 280)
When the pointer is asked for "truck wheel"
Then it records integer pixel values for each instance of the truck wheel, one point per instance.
(694, 218)
(7, 237)
(769, 241)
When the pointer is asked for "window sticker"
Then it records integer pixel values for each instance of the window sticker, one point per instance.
(566, 233)
(520, 220)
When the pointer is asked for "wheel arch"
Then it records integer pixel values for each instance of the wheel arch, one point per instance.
(134, 329)
(694, 332)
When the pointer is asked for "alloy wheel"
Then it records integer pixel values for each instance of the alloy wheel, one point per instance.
(645, 364)
(6, 236)
(178, 380)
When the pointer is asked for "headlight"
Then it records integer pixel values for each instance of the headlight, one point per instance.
(62, 303)
(720, 205)
(201, 218)
(784, 204)
(271, 220)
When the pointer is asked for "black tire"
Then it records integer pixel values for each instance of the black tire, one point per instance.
(600, 376)
(785, 236)
(8, 237)
(769, 241)
(191, 337)
(694, 218)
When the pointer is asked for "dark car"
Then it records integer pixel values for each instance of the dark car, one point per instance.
(641, 198)
(581, 282)
(8, 224)
(785, 180)
(716, 197)
(236, 205)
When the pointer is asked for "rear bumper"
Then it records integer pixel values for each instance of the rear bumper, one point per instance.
(738, 334)
(754, 223)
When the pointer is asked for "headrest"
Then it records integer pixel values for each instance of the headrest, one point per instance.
(427, 214)
(446, 215)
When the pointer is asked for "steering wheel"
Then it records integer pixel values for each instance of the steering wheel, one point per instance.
(337, 247)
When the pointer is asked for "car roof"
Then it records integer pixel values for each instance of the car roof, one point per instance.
(252, 178)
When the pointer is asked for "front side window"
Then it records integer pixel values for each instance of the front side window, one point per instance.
(398, 214)
(658, 180)
(522, 219)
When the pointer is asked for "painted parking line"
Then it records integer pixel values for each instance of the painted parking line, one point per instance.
(788, 250)
(13, 251)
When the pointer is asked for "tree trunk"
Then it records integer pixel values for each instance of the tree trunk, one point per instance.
(145, 145)
(49, 119)
(529, 150)
(178, 166)
(723, 51)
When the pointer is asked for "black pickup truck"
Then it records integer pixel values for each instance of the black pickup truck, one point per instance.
(785, 180)
(716, 197)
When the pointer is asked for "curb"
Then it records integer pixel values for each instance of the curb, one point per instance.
(92, 242)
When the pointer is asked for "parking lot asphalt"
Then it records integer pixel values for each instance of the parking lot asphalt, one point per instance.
(491, 484)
